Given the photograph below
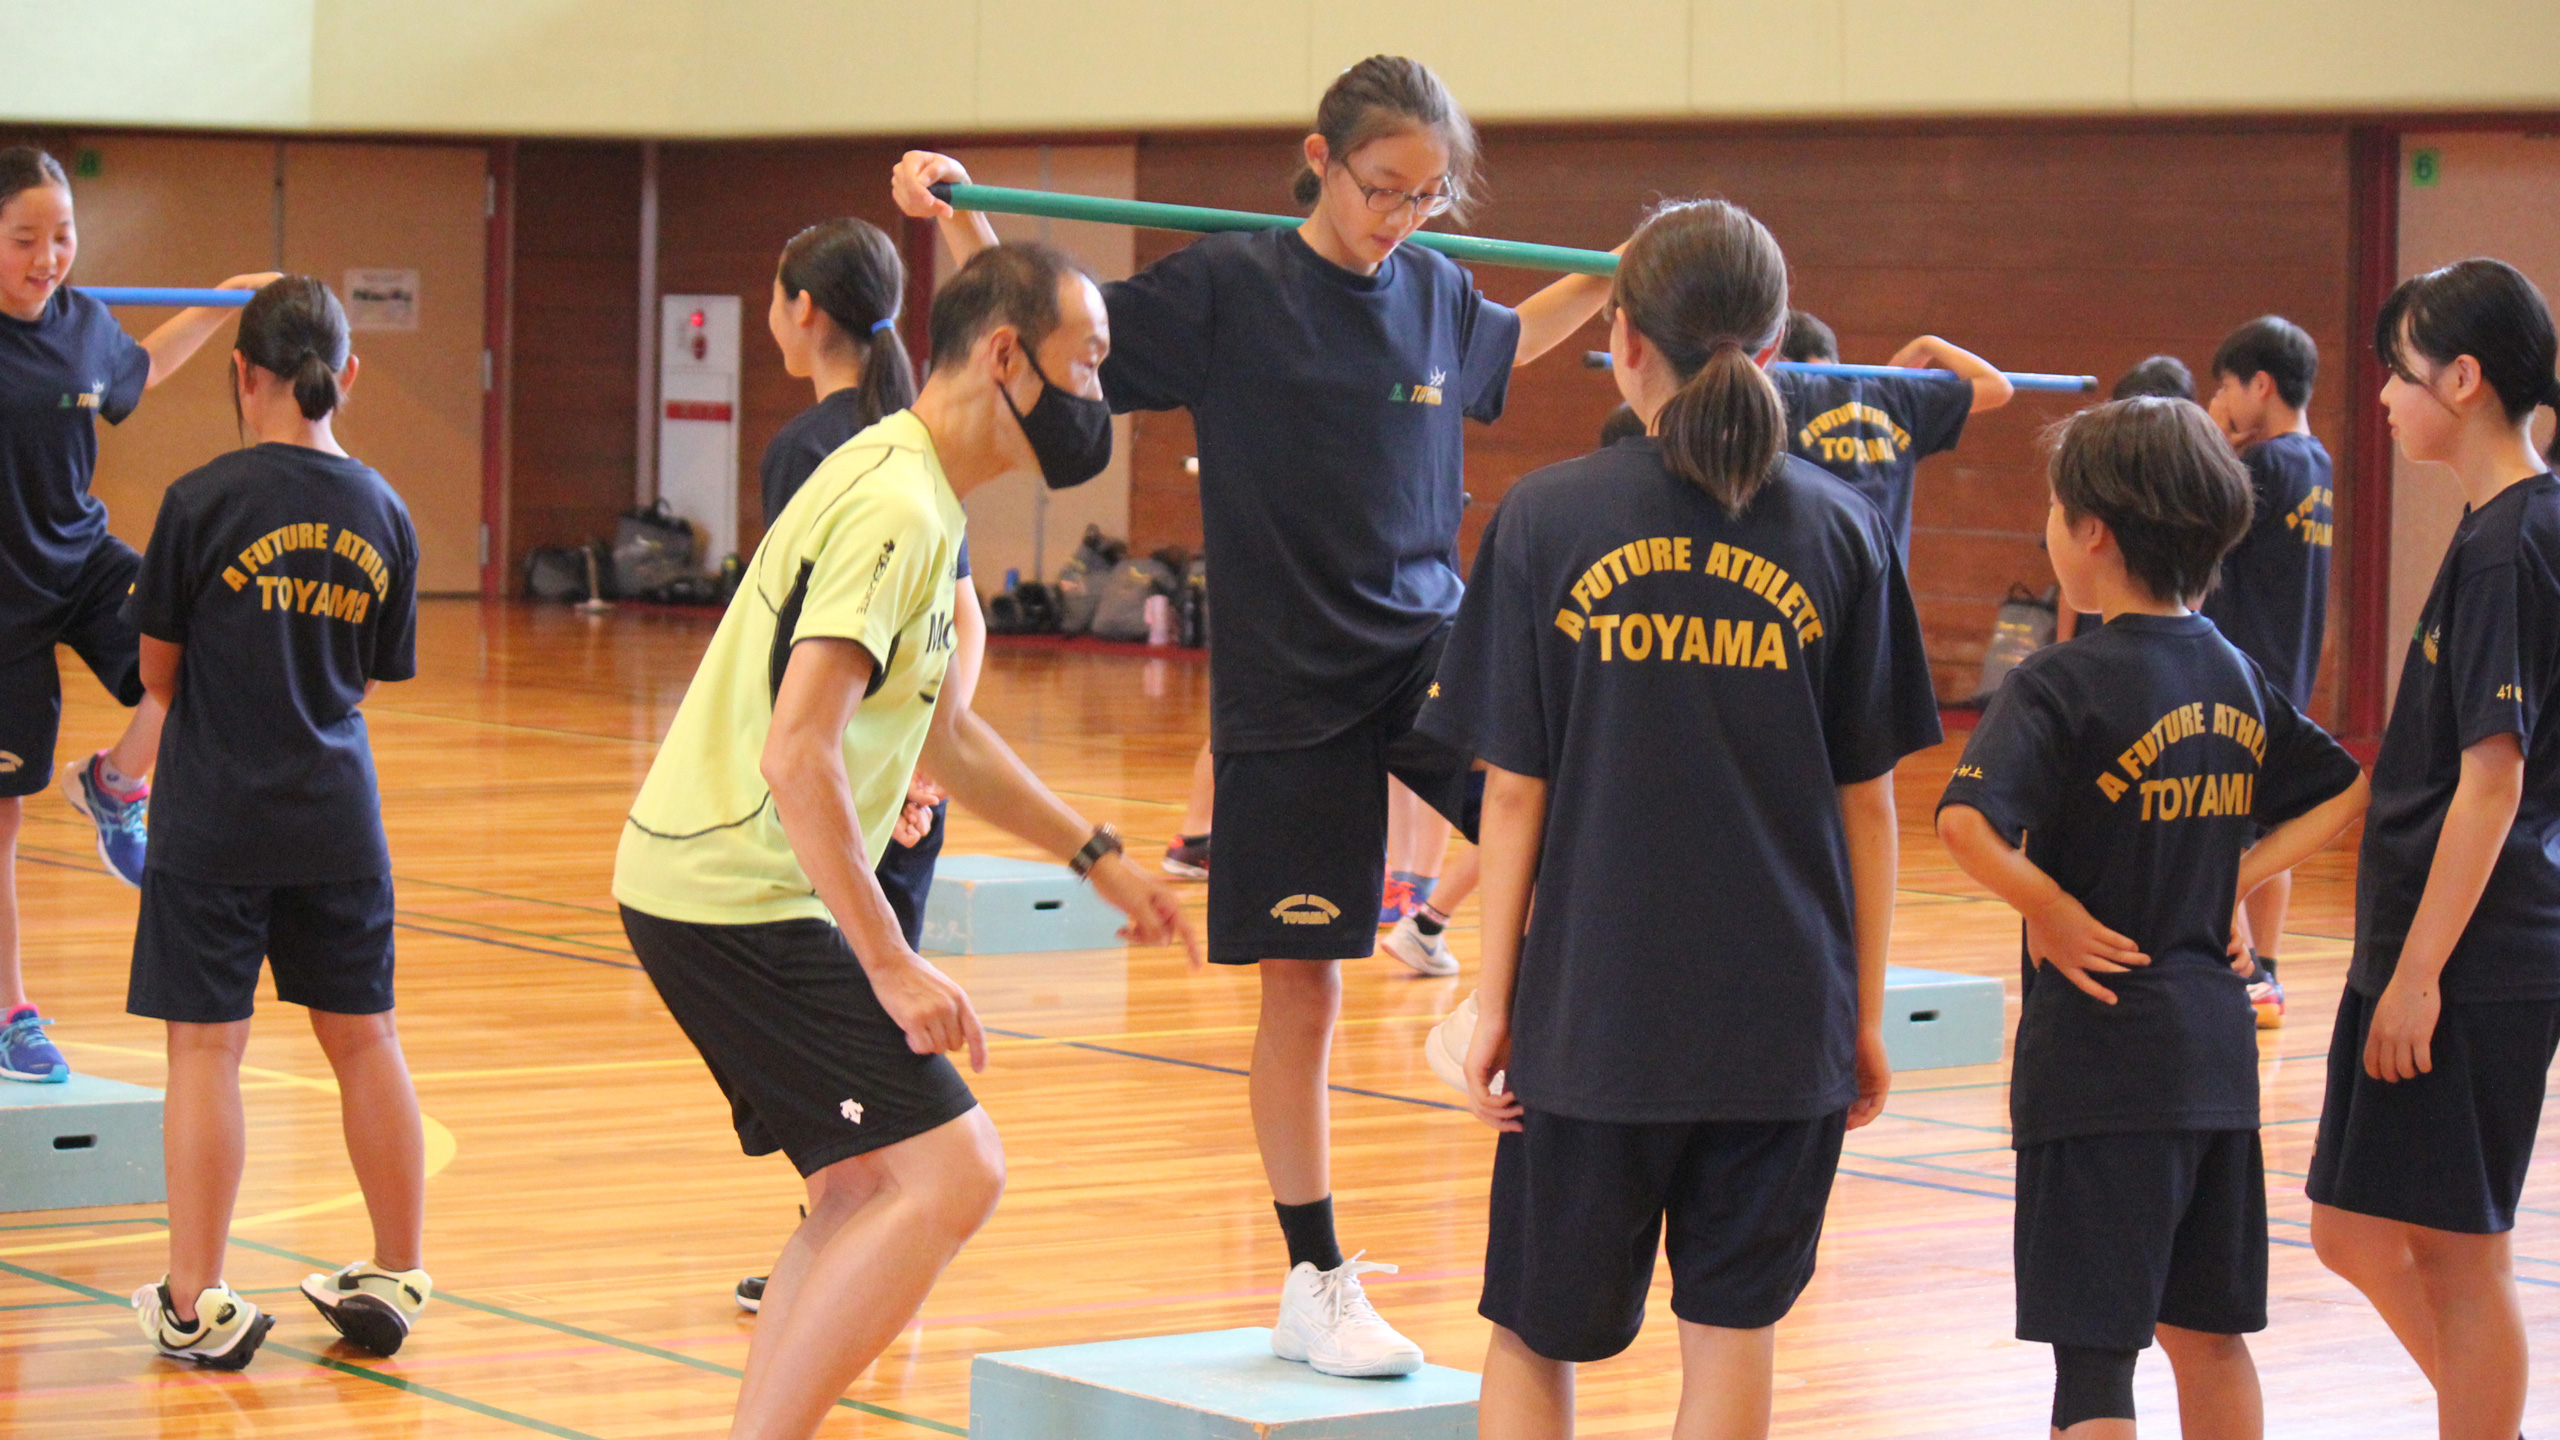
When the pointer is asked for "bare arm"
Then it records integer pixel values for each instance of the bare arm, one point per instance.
(160, 668)
(1549, 318)
(968, 758)
(1991, 389)
(2398, 1043)
(969, 645)
(804, 767)
(182, 334)
(966, 232)
(1513, 829)
(2060, 930)
(2301, 837)
(1867, 815)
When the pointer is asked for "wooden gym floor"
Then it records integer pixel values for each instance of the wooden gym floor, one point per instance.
(589, 1209)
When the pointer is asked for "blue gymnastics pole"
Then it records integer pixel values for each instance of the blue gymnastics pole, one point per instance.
(172, 299)
(2067, 384)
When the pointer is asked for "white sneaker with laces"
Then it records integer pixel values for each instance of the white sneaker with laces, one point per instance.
(1326, 1321)
(1422, 954)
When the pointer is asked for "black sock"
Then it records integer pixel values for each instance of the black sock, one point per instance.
(1309, 1231)
(1429, 921)
(2266, 964)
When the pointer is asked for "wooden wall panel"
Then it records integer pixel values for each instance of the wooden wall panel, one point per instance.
(2078, 249)
(575, 363)
(724, 210)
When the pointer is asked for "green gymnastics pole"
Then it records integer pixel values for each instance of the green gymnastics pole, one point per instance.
(1148, 215)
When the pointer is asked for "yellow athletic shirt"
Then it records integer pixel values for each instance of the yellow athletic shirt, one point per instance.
(865, 552)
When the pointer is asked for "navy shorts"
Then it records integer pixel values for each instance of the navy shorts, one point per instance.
(1302, 834)
(2448, 1149)
(785, 1018)
(91, 621)
(1580, 1206)
(197, 946)
(905, 873)
(2116, 1234)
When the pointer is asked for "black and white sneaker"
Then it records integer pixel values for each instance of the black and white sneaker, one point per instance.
(373, 1307)
(225, 1336)
(750, 1293)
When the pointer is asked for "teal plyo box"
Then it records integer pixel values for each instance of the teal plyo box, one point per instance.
(1217, 1385)
(87, 1141)
(989, 905)
(1934, 1018)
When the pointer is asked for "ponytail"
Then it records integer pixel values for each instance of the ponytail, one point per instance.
(295, 330)
(851, 271)
(1707, 285)
(1725, 428)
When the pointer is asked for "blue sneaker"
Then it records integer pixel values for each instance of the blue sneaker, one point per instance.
(24, 1052)
(123, 828)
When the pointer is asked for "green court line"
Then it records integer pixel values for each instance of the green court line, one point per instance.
(503, 895)
(601, 1338)
(429, 1392)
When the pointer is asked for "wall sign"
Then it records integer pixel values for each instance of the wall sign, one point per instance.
(382, 299)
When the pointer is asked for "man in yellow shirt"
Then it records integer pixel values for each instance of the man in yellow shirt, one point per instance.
(744, 875)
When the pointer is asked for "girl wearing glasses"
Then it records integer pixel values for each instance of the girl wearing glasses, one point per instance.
(1327, 368)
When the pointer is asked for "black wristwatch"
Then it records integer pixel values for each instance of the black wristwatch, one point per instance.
(1105, 841)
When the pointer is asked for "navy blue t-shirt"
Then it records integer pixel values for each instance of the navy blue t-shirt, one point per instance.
(58, 376)
(1328, 406)
(290, 576)
(1874, 431)
(808, 438)
(1693, 687)
(2273, 600)
(2133, 762)
(2484, 662)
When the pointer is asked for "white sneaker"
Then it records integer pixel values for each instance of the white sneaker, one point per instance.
(373, 1307)
(227, 1332)
(1326, 1320)
(1445, 1048)
(1422, 954)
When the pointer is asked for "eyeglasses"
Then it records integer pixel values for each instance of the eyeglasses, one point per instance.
(1383, 201)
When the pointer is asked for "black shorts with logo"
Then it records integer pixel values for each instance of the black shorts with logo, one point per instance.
(1302, 834)
(785, 1017)
(91, 621)
(2117, 1234)
(197, 945)
(2447, 1149)
(1580, 1206)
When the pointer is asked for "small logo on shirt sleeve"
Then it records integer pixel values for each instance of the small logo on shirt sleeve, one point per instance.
(1970, 772)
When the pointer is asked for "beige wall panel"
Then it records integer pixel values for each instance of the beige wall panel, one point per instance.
(416, 411)
(543, 66)
(1923, 55)
(2209, 54)
(2496, 195)
(1524, 57)
(669, 67)
(1750, 57)
(1007, 514)
(1141, 62)
(159, 62)
(172, 212)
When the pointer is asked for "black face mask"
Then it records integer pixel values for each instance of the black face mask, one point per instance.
(1069, 434)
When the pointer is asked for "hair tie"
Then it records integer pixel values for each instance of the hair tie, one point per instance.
(879, 325)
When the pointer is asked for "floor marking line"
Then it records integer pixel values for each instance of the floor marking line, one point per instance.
(634, 1346)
